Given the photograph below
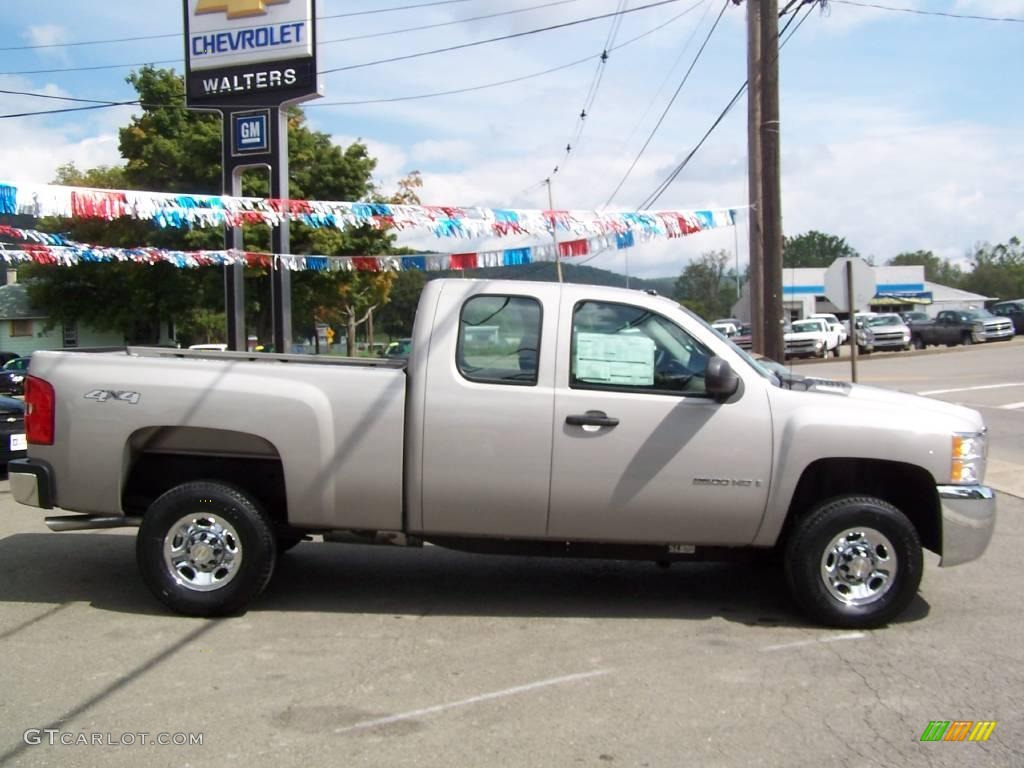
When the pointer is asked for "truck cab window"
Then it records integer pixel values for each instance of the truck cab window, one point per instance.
(617, 346)
(499, 340)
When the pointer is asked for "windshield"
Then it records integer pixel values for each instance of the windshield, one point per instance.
(808, 326)
(885, 320)
(753, 363)
(980, 314)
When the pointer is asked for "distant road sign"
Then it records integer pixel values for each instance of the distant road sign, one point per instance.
(863, 283)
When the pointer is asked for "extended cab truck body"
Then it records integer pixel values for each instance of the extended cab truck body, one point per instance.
(587, 421)
(961, 326)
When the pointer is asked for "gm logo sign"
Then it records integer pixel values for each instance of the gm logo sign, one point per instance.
(250, 133)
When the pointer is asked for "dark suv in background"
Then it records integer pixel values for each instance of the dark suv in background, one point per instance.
(1012, 310)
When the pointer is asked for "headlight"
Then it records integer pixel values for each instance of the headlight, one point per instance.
(906, 336)
(970, 450)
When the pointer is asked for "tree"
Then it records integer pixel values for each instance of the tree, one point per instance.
(396, 317)
(814, 249)
(997, 271)
(708, 285)
(936, 270)
(170, 149)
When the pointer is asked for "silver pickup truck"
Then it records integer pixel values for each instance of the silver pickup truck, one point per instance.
(530, 418)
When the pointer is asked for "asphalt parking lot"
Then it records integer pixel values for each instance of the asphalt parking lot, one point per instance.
(369, 656)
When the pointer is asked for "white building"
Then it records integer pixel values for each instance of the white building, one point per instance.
(897, 289)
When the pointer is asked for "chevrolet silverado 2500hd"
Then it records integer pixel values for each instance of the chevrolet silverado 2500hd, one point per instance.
(530, 418)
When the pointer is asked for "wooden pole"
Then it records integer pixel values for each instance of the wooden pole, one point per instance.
(771, 188)
(554, 232)
(755, 283)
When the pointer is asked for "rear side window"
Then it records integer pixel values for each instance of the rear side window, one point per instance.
(499, 340)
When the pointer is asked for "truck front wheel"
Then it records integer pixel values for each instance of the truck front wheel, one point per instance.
(206, 549)
(854, 561)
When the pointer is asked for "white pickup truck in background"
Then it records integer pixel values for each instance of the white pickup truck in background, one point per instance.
(812, 337)
(530, 418)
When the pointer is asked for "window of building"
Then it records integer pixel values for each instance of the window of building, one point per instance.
(499, 340)
(21, 328)
(71, 334)
(626, 348)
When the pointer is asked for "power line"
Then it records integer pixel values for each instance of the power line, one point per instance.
(175, 34)
(70, 109)
(595, 84)
(652, 198)
(104, 102)
(929, 13)
(668, 75)
(668, 106)
(383, 100)
(128, 65)
(513, 36)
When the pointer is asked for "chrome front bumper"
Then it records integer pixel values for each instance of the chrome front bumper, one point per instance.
(968, 518)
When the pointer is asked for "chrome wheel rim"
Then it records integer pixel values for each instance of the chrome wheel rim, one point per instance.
(202, 552)
(859, 566)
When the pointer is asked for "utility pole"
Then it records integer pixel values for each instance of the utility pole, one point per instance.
(554, 231)
(771, 188)
(755, 282)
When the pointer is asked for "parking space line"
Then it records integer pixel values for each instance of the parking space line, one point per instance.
(815, 641)
(472, 700)
(1013, 406)
(971, 389)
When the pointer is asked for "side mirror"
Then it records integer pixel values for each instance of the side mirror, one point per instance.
(720, 379)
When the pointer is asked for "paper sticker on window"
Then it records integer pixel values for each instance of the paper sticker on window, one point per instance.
(624, 360)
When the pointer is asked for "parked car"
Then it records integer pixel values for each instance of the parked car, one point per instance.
(811, 338)
(914, 317)
(209, 347)
(727, 328)
(12, 376)
(398, 349)
(745, 338)
(1013, 310)
(12, 430)
(633, 430)
(6, 357)
(961, 326)
(890, 332)
(865, 337)
(833, 323)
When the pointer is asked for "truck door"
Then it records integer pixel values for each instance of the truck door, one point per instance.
(641, 452)
(486, 459)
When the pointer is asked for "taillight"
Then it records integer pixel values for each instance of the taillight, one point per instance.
(39, 411)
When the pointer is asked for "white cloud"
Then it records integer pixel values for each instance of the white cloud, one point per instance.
(31, 149)
(46, 34)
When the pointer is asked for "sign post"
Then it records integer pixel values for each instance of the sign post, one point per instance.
(248, 60)
(850, 283)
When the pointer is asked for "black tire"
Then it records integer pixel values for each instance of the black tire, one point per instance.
(918, 342)
(227, 521)
(835, 351)
(865, 350)
(812, 538)
(967, 339)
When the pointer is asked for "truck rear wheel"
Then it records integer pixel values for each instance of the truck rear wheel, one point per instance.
(854, 561)
(206, 549)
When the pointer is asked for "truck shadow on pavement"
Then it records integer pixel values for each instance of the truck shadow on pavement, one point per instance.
(100, 569)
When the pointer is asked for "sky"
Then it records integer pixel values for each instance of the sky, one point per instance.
(899, 131)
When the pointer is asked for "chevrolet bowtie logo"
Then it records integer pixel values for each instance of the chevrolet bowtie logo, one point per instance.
(236, 9)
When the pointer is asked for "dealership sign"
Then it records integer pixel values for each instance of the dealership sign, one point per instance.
(251, 52)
